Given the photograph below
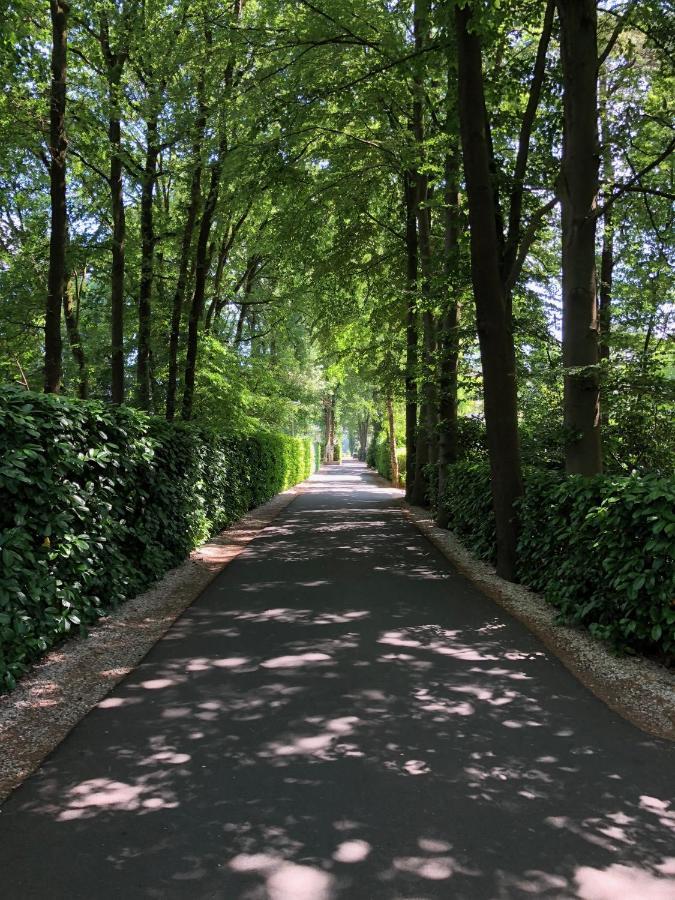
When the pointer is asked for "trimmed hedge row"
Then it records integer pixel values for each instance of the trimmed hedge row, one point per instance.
(601, 549)
(97, 502)
(380, 460)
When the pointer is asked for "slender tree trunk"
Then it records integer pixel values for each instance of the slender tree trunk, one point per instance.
(426, 450)
(56, 282)
(393, 459)
(449, 336)
(493, 321)
(201, 271)
(333, 409)
(410, 194)
(186, 247)
(115, 62)
(363, 428)
(606, 282)
(215, 304)
(118, 249)
(147, 260)
(71, 310)
(329, 428)
(417, 490)
(579, 190)
(607, 255)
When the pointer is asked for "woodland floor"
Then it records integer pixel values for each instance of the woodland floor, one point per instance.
(341, 715)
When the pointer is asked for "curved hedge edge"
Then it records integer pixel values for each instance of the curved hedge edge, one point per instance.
(634, 687)
(85, 671)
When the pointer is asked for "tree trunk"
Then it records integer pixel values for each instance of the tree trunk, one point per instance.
(493, 321)
(393, 459)
(606, 281)
(56, 281)
(363, 428)
(426, 444)
(449, 336)
(418, 490)
(115, 62)
(579, 190)
(71, 310)
(201, 271)
(147, 259)
(215, 304)
(410, 195)
(186, 247)
(118, 255)
(607, 255)
(329, 428)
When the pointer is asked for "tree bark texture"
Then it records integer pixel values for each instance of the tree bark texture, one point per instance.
(186, 249)
(71, 312)
(147, 259)
(578, 193)
(448, 338)
(56, 280)
(201, 271)
(493, 321)
(410, 196)
(393, 459)
(115, 62)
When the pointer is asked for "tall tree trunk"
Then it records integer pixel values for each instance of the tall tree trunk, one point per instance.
(578, 193)
(216, 301)
(449, 336)
(363, 428)
(201, 271)
(329, 428)
(115, 62)
(493, 321)
(56, 281)
(186, 248)
(417, 491)
(393, 459)
(248, 281)
(607, 255)
(410, 196)
(118, 257)
(147, 258)
(71, 310)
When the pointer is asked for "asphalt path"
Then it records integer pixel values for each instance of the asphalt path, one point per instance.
(340, 716)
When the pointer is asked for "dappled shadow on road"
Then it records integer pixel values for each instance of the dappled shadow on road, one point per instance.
(342, 716)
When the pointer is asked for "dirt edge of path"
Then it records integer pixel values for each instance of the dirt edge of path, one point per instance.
(639, 690)
(71, 679)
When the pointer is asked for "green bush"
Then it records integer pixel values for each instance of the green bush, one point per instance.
(379, 458)
(468, 506)
(96, 502)
(601, 549)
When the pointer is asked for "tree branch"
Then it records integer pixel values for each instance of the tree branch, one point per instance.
(620, 189)
(527, 124)
(618, 28)
(527, 241)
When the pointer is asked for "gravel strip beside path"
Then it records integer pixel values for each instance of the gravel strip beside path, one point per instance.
(71, 679)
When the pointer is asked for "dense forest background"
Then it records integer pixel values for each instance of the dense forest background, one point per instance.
(407, 219)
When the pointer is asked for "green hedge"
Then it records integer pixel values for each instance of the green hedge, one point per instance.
(97, 502)
(601, 549)
(378, 457)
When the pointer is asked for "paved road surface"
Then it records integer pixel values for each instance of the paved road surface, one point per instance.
(340, 716)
